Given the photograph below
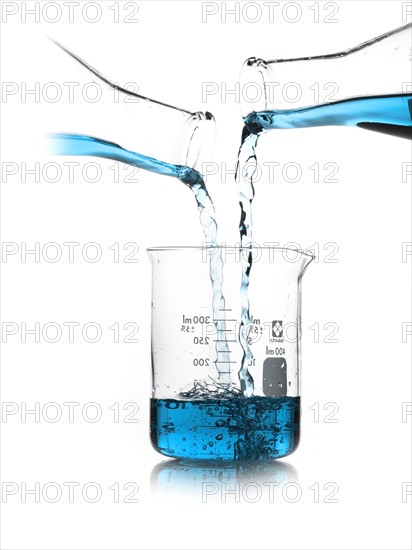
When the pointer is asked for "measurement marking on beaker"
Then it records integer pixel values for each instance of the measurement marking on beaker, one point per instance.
(224, 320)
(233, 341)
(226, 362)
(224, 309)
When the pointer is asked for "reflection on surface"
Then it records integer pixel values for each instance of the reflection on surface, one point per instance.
(221, 481)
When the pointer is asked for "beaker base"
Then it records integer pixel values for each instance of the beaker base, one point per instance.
(252, 428)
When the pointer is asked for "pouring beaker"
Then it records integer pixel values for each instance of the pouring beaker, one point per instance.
(143, 131)
(198, 411)
(368, 86)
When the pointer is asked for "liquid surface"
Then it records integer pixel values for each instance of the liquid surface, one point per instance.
(391, 114)
(254, 428)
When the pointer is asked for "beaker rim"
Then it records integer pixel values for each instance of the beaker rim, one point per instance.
(304, 252)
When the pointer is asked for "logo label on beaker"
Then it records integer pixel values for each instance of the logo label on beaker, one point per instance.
(277, 330)
(274, 377)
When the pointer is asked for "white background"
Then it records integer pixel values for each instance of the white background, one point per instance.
(170, 52)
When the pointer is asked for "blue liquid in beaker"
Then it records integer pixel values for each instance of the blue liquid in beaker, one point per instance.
(253, 428)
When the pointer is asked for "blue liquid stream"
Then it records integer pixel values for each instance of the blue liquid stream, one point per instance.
(256, 428)
(390, 114)
(82, 145)
(244, 179)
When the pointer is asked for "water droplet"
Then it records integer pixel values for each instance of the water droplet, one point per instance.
(219, 437)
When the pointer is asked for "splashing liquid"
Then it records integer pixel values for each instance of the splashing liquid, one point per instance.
(81, 145)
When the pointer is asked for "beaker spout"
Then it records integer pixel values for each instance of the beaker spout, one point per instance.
(306, 259)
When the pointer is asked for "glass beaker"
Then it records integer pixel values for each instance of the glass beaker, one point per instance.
(198, 411)
(121, 124)
(368, 86)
